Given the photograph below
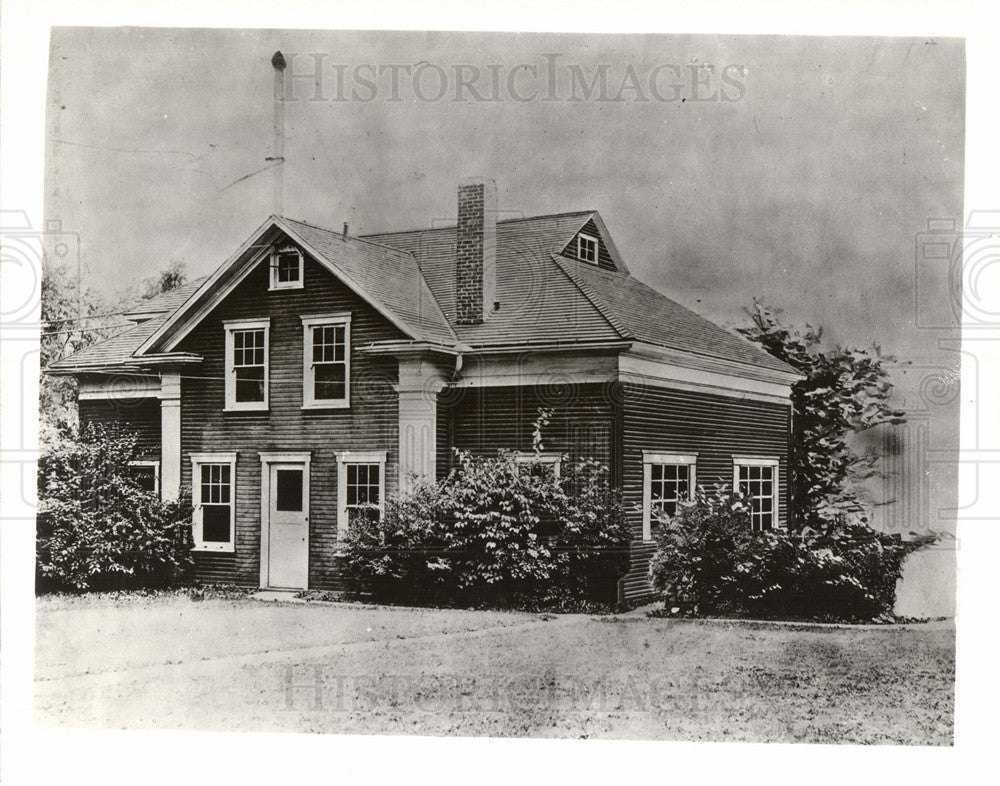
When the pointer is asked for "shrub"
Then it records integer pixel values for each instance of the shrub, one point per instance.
(497, 531)
(709, 561)
(97, 527)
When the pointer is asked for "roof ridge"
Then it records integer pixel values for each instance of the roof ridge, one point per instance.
(563, 214)
(594, 300)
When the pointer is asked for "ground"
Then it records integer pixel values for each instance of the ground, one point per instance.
(240, 664)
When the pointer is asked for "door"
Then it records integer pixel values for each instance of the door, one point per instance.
(288, 527)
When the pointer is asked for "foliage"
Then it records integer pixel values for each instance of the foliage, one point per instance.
(74, 316)
(503, 530)
(97, 527)
(845, 391)
(171, 277)
(71, 320)
(709, 561)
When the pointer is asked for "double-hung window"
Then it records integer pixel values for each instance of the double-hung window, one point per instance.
(213, 485)
(286, 268)
(757, 478)
(667, 479)
(247, 364)
(360, 486)
(326, 361)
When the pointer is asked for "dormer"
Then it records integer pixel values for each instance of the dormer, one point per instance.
(592, 245)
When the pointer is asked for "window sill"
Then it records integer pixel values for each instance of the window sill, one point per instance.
(279, 287)
(328, 405)
(255, 408)
(224, 548)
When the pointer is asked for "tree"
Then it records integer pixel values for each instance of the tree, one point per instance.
(172, 277)
(846, 390)
(73, 318)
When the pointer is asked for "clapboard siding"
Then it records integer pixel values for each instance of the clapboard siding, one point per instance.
(714, 427)
(138, 415)
(484, 420)
(371, 423)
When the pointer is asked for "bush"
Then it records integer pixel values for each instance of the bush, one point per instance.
(497, 531)
(97, 527)
(709, 561)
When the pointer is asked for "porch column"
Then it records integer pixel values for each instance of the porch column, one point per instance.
(419, 384)
(170, 436)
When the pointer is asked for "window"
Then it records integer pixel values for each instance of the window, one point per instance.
(360, 486)
(326, 361)
(246, 364)
(586, 248)
(286, 268)
(541, 462)
(147, 473)
(667, 478)
(758, 479)
(213, 478)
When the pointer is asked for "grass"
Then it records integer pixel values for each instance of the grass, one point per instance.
(167, 661)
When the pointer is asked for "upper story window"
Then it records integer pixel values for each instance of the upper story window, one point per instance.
(586, 248)
(286, 268)
(757, 478)
(212, 480)
(326, 362)
(667, 479)
(247, 364)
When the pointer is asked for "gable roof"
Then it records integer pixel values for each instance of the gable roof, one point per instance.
(389, 279)
(545, 298)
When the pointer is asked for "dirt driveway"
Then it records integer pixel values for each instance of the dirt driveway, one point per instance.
(170, 662)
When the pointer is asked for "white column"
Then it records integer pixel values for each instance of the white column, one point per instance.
(170, 436)
(419, 384)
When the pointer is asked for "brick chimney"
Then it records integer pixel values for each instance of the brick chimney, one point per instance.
(475, 251)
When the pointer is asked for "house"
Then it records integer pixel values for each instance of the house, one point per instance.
(316, 371)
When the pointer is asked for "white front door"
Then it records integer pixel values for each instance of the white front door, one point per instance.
(288, 526)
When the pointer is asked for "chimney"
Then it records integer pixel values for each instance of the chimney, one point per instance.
(475, 251)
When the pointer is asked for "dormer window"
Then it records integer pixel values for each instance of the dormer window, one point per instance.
(286, 268)
(586, 248)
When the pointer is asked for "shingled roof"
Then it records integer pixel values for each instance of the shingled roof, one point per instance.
(538, 302)
(544, 298)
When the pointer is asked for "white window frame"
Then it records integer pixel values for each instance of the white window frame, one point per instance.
(309, 400)
(761, 461)
(233, 326)
(357, 457)
(156, 471)
(553, 459)
(197, 460)
(649, 458)
(580, 238)
(277, 285)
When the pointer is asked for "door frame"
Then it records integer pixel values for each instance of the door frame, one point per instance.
(266, 460)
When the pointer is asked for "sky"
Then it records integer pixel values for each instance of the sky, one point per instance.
(803, 176)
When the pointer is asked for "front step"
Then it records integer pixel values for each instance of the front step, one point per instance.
(278, 596)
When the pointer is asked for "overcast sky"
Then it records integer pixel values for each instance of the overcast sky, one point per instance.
(805, 181)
